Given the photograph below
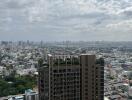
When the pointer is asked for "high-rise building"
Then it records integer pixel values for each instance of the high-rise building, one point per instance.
(71, 78)
(92, 77)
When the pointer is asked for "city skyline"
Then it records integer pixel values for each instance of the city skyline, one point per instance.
(49, 20)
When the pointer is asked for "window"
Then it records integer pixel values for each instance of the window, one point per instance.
(86, 93)
(86, 81)
(86, 90)
(102, 80)
(86, 77)
(102, 84)
(55, 71)
(86, 73)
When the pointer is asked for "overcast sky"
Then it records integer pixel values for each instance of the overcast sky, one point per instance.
(57, 20)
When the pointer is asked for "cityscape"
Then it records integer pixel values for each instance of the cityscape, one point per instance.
(66, 50)
(29, 70)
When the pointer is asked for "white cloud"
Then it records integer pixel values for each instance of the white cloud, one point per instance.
(67, 16)
(123, 25)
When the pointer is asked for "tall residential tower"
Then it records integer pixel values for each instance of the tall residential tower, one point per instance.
(71, 77)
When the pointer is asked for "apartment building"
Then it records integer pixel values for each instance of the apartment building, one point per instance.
(71, 77)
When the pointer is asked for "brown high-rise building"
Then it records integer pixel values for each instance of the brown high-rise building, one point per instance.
(71, 78)
(92, 78)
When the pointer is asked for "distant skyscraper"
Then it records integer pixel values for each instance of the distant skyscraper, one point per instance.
(71, 78)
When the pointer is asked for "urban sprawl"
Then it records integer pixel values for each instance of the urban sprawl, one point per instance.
(23, 63)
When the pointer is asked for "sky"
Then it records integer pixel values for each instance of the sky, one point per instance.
(60, 20)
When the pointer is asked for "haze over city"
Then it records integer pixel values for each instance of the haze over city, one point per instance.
(58, 20)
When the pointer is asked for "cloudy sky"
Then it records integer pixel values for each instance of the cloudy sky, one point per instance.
(57, 20)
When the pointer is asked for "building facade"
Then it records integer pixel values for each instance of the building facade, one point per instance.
(92, 78)
(71, 78)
